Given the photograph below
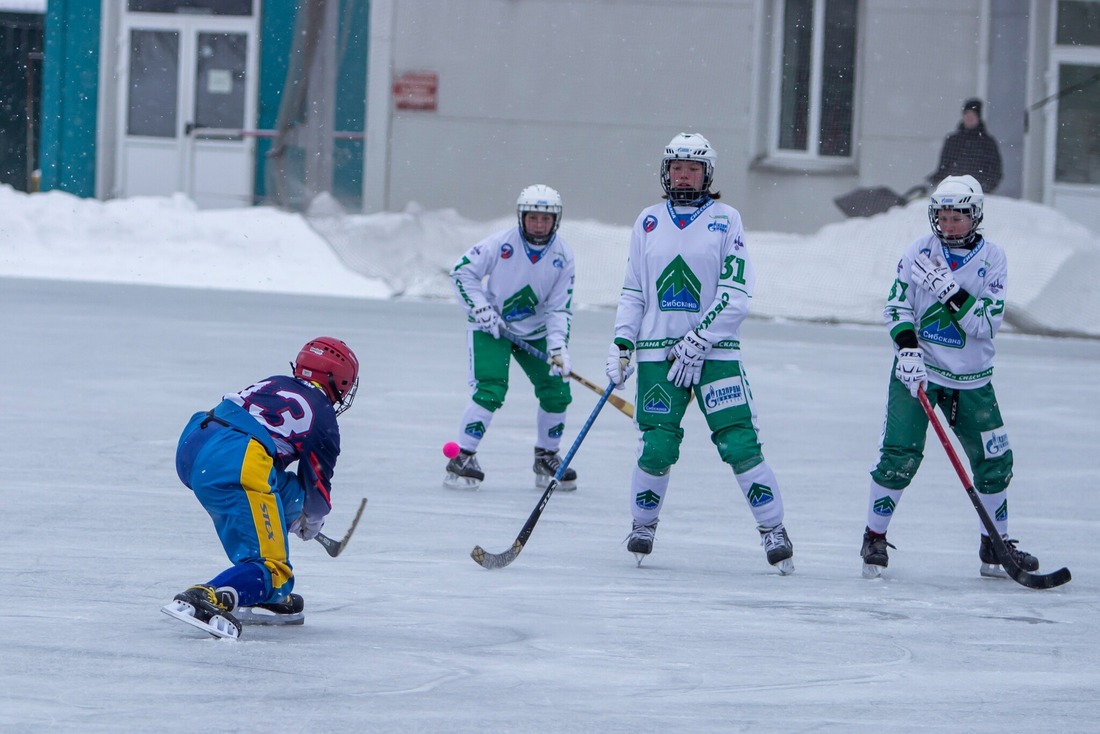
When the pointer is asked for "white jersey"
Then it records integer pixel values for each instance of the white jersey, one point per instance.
(958, 348)
(688, 268)
(531, 288)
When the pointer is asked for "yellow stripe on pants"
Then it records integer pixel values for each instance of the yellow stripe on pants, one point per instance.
(257, 476)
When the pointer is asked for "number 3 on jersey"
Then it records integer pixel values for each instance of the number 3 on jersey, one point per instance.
(734, 269)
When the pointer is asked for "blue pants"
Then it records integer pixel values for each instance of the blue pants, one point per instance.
(250, 502)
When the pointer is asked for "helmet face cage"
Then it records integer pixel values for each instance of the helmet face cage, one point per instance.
(688, 147)
(331, 364)
(961, 194)
(538, 198)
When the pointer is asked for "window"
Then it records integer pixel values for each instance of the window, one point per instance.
(816, 64)
(200, 7)
(1077, 58)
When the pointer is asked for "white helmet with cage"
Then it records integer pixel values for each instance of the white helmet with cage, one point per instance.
(961, 194)
(538, 198)
(688, 147)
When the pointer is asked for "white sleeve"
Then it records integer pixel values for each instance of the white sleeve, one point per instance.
(559, 308)
(628, 316)
(983, 312)
(736, 283)
(468, 275)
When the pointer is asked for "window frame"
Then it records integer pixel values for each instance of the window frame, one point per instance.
(808, 159)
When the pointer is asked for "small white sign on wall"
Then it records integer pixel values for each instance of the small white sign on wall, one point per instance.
(219, 81)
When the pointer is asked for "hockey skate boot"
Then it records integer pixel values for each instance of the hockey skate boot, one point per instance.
(779, 548)
(640, 540)
(290, 611)
(874, 553)
(208, 609)
(991, 566)
(547, 464)
(463, 471)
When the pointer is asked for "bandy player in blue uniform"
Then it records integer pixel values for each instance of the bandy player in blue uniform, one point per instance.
(236, 458)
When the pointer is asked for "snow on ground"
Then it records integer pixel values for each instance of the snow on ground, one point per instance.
(404, 632)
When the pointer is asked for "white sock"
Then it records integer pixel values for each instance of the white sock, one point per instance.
(647, 494)
(761, 490)
(881, 506)
(473, 427)
(997, 507)
(551, 426)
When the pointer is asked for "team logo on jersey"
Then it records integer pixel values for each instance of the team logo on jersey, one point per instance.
(937, 327)
(647, 500)
(657, 401)
(995, 443)
(720, 223)
(519, 306)
(649, 223)
(1002, 512)
(475, 430)
(677, 288)
(558, 263)
(996, 286)
(722, 394)
(760, 494)
(557, 431)
(883, 506)
(506, 251)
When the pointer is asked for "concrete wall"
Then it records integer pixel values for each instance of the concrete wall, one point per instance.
(583, 95)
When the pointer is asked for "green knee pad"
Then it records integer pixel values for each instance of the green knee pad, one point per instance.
(738, 448)
(660, 449)
(554, 397)
(489, 394)
(994, 475)
(896, 470)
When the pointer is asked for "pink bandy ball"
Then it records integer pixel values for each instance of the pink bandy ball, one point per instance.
(450, 449)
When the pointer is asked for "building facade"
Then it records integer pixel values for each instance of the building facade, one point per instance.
(460, 103)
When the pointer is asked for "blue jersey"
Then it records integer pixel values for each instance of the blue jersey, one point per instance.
(301, 421)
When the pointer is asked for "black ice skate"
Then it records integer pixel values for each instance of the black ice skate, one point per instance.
(547, 464)
(290, 611)
(207, 608)
(991, 567)
(779, 548)
(463, 472)
(640, 540)
(874, 553)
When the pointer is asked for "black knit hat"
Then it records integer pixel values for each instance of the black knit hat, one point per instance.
(973, 104)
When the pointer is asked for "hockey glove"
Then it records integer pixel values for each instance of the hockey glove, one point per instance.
(307, 528)
(687, 360)
(934, 276)
(559, 362)
(910, 369)
(619, 368)
(488, 320)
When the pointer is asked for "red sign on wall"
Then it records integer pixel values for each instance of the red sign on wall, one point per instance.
(416, 90)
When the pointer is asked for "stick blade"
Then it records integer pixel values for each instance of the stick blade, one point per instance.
(1039, 580)
(488, 560)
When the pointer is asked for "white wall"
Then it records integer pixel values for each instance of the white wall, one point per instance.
(583, 95)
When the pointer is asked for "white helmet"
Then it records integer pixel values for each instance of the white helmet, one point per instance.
(538, 198)
(961, 194)
(688, 147)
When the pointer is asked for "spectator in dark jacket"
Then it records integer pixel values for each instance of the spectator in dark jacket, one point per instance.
(970, 150)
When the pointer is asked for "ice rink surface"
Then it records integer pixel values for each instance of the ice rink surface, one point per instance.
(404, 633)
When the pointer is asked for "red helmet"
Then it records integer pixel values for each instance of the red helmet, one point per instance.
(332, 365)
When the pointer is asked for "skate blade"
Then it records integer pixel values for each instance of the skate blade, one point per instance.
(182, 611)
(542, 482)
(259, 616)
(639, 557)
(871, 571)
(993, 571)
(453, 481)
(785, 567)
